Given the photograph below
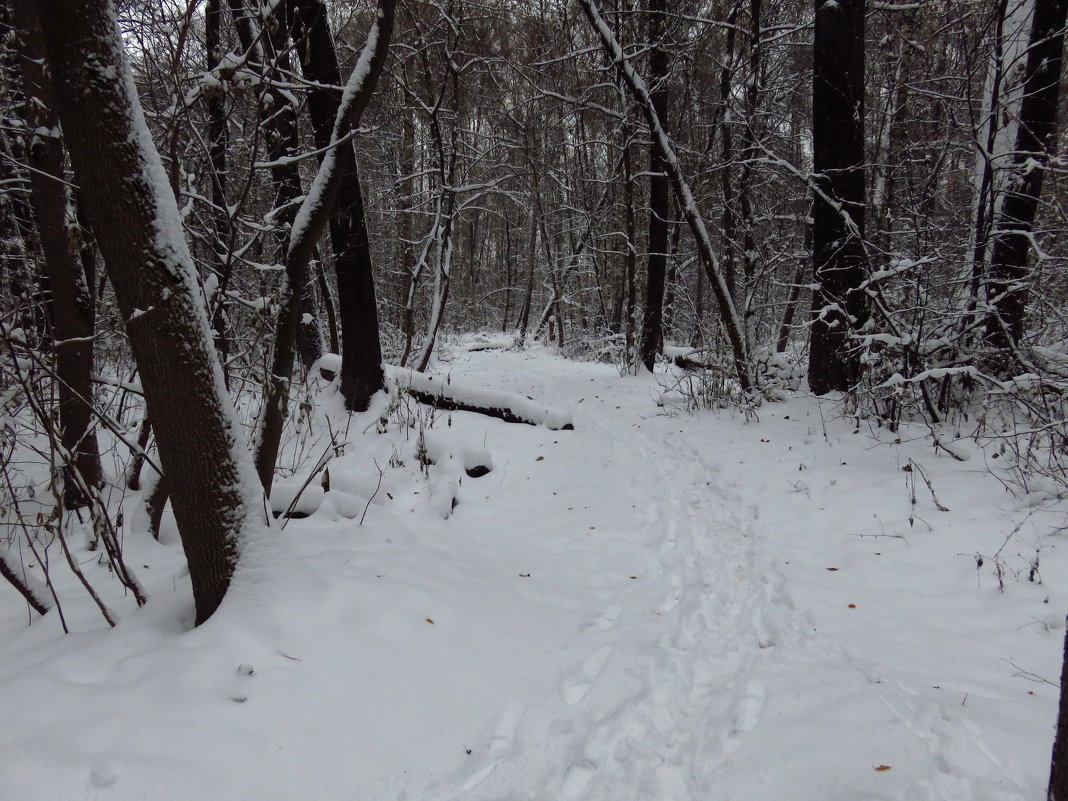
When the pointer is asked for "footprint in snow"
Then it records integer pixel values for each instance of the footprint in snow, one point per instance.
(750, 709)
(501, 743)
(605, 620)
(504, 735)
(102, 776)
(578, 687)
(577, 777)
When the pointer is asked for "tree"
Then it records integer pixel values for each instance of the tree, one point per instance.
(1058, 776)
(71, 303)
(1036, 135)
(361, 348)
(639, 90)
(659, 194)
(839, 260)
(214, 493)
(309, 222)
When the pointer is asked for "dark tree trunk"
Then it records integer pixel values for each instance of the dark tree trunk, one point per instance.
(726, 123)
(680, 186)
(631, 265)
(138, 227)
(278, 118)
(528, 296)
(12, 569)
(218, 139)
(749, 153)
(72, 307)
(1006, 287)
(659, 195)
(361, 348)
(1058, 775)
(984, 211)
(838, 212)
(319, 207)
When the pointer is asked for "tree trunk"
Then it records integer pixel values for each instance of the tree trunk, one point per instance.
(138, 226)
(72, 307)
(218, 139)
(630, 286)
(317, 208)
(726, 123)
(361, 347)
(838, 186)
(528, 296)
(1006, 287)
(659, 195)
(787, 324)
(987, 138)
(1058, 775)
(681, 187)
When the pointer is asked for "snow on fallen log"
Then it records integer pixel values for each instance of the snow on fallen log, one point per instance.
(687, 358)
(500, 342)
(442, 392)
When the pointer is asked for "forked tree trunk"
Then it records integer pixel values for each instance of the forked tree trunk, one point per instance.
(838, 304)
(361, 348)
(317, 208)
(213, 489)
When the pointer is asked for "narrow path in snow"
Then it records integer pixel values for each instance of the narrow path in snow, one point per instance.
(696, 701)
(661, 689)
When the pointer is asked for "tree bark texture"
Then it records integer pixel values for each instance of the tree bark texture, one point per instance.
(361, 348)
(1058, 775)
(318, 207)
(838, 185)
(138, 228)
(659, 194)
(218, 140)
(72, 308)
(1036, 139)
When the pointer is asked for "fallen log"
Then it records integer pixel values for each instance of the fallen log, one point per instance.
(687, 358)
(442, 392)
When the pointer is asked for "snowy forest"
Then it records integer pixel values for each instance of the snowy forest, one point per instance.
(566, 399)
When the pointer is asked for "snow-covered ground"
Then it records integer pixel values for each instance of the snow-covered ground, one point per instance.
(655, 605)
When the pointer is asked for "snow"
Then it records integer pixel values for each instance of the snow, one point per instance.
(655, 605)
(442, 386)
